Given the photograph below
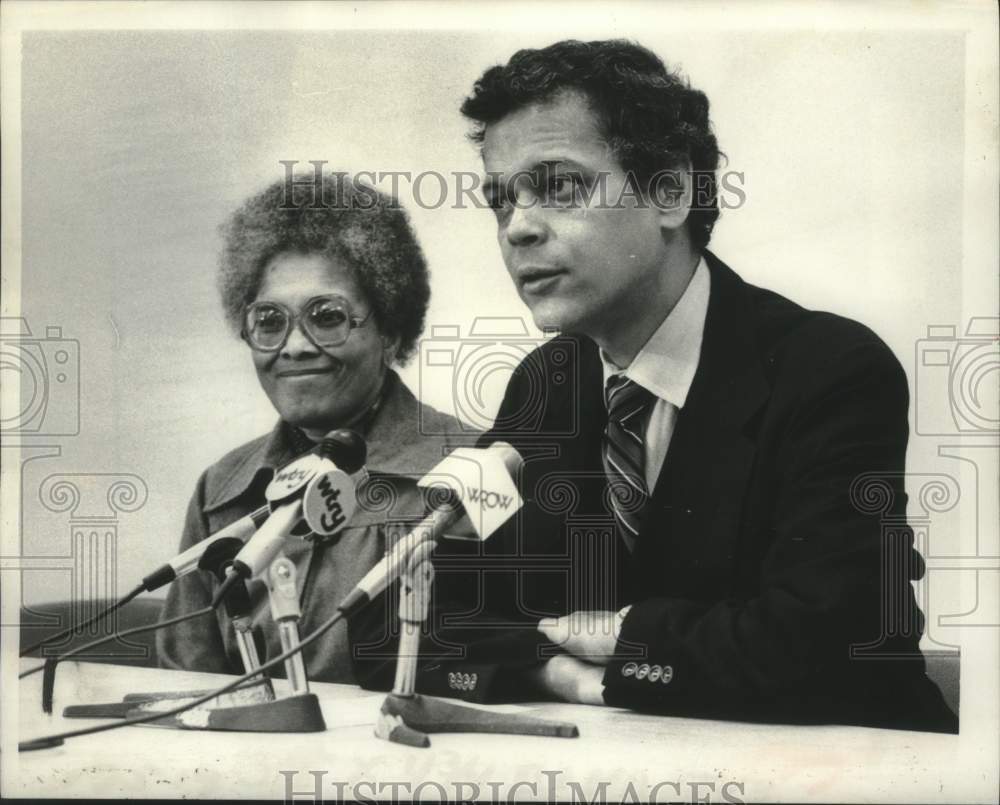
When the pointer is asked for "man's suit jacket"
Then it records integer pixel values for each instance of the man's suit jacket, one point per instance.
(771, 577)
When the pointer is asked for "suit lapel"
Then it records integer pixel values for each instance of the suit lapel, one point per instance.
(692, 522)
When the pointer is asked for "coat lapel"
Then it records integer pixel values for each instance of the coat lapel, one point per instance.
(692, 522)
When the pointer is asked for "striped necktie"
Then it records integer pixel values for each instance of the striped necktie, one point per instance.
(624, 454)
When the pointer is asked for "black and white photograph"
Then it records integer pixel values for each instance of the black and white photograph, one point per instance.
(452, 401)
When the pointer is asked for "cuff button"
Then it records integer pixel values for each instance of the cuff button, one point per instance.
(642, 671)
(628, 669)
(654, 673)
(668, 674)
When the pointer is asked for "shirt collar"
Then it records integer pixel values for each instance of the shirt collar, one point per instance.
(667, 362)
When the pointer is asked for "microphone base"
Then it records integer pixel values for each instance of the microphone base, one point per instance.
(254, 691)
(407, 720)
(291, 714)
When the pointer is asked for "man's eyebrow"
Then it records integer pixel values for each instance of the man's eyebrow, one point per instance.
(562, 163)
(494, 179)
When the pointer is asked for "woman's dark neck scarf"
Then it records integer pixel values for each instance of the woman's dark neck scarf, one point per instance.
(301, 444)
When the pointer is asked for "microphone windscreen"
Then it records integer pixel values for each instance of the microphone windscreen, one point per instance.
(345, 448)
(218, 553)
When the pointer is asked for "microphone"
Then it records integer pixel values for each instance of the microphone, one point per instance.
(316, 493)
(202, 555)
(345, 448)
(479, 496)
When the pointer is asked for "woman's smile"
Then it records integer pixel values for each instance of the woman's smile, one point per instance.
(307, 372)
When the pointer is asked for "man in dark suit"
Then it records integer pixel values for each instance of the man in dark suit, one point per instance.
(714, 518)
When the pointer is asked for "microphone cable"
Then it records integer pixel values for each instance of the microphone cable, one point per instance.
(346, 445)
(80, 626)
(57, 739)
(50, 664)
(147, 584)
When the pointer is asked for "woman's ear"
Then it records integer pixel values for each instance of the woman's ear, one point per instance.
(671, 191)
(390, 348)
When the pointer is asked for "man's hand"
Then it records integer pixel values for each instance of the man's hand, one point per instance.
(567, 678)
(591, 636)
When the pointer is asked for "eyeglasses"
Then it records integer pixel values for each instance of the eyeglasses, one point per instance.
(327, 321)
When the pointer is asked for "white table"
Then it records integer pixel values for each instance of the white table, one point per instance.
(689, 759)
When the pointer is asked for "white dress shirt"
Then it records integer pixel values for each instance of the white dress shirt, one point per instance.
(666, 365)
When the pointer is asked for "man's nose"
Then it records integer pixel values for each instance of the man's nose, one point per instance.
(298, 343)
(526, 226)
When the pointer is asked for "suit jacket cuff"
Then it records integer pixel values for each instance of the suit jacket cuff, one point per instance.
(647, 669)
(490, 675)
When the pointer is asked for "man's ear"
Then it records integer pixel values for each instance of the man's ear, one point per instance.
(670, 190)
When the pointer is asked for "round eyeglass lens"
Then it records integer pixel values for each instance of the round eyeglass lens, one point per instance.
(328, 321)
(266, 325)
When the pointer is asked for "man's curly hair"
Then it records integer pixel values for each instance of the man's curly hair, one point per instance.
(651, 117)
(340, 218)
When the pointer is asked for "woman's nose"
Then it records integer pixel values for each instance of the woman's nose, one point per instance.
(298, 343)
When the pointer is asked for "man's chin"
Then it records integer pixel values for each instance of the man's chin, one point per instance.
(548, 316)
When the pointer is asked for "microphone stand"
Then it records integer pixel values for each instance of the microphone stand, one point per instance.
(286, 613)
(239, 610)
(406, 716)
(252, 707)
(298, 712)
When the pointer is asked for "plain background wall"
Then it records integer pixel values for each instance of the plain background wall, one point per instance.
(136, 145)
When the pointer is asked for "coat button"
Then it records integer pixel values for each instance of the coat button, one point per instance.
(654, 673)
(642, 671)
(668, 674)
(628, 669)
